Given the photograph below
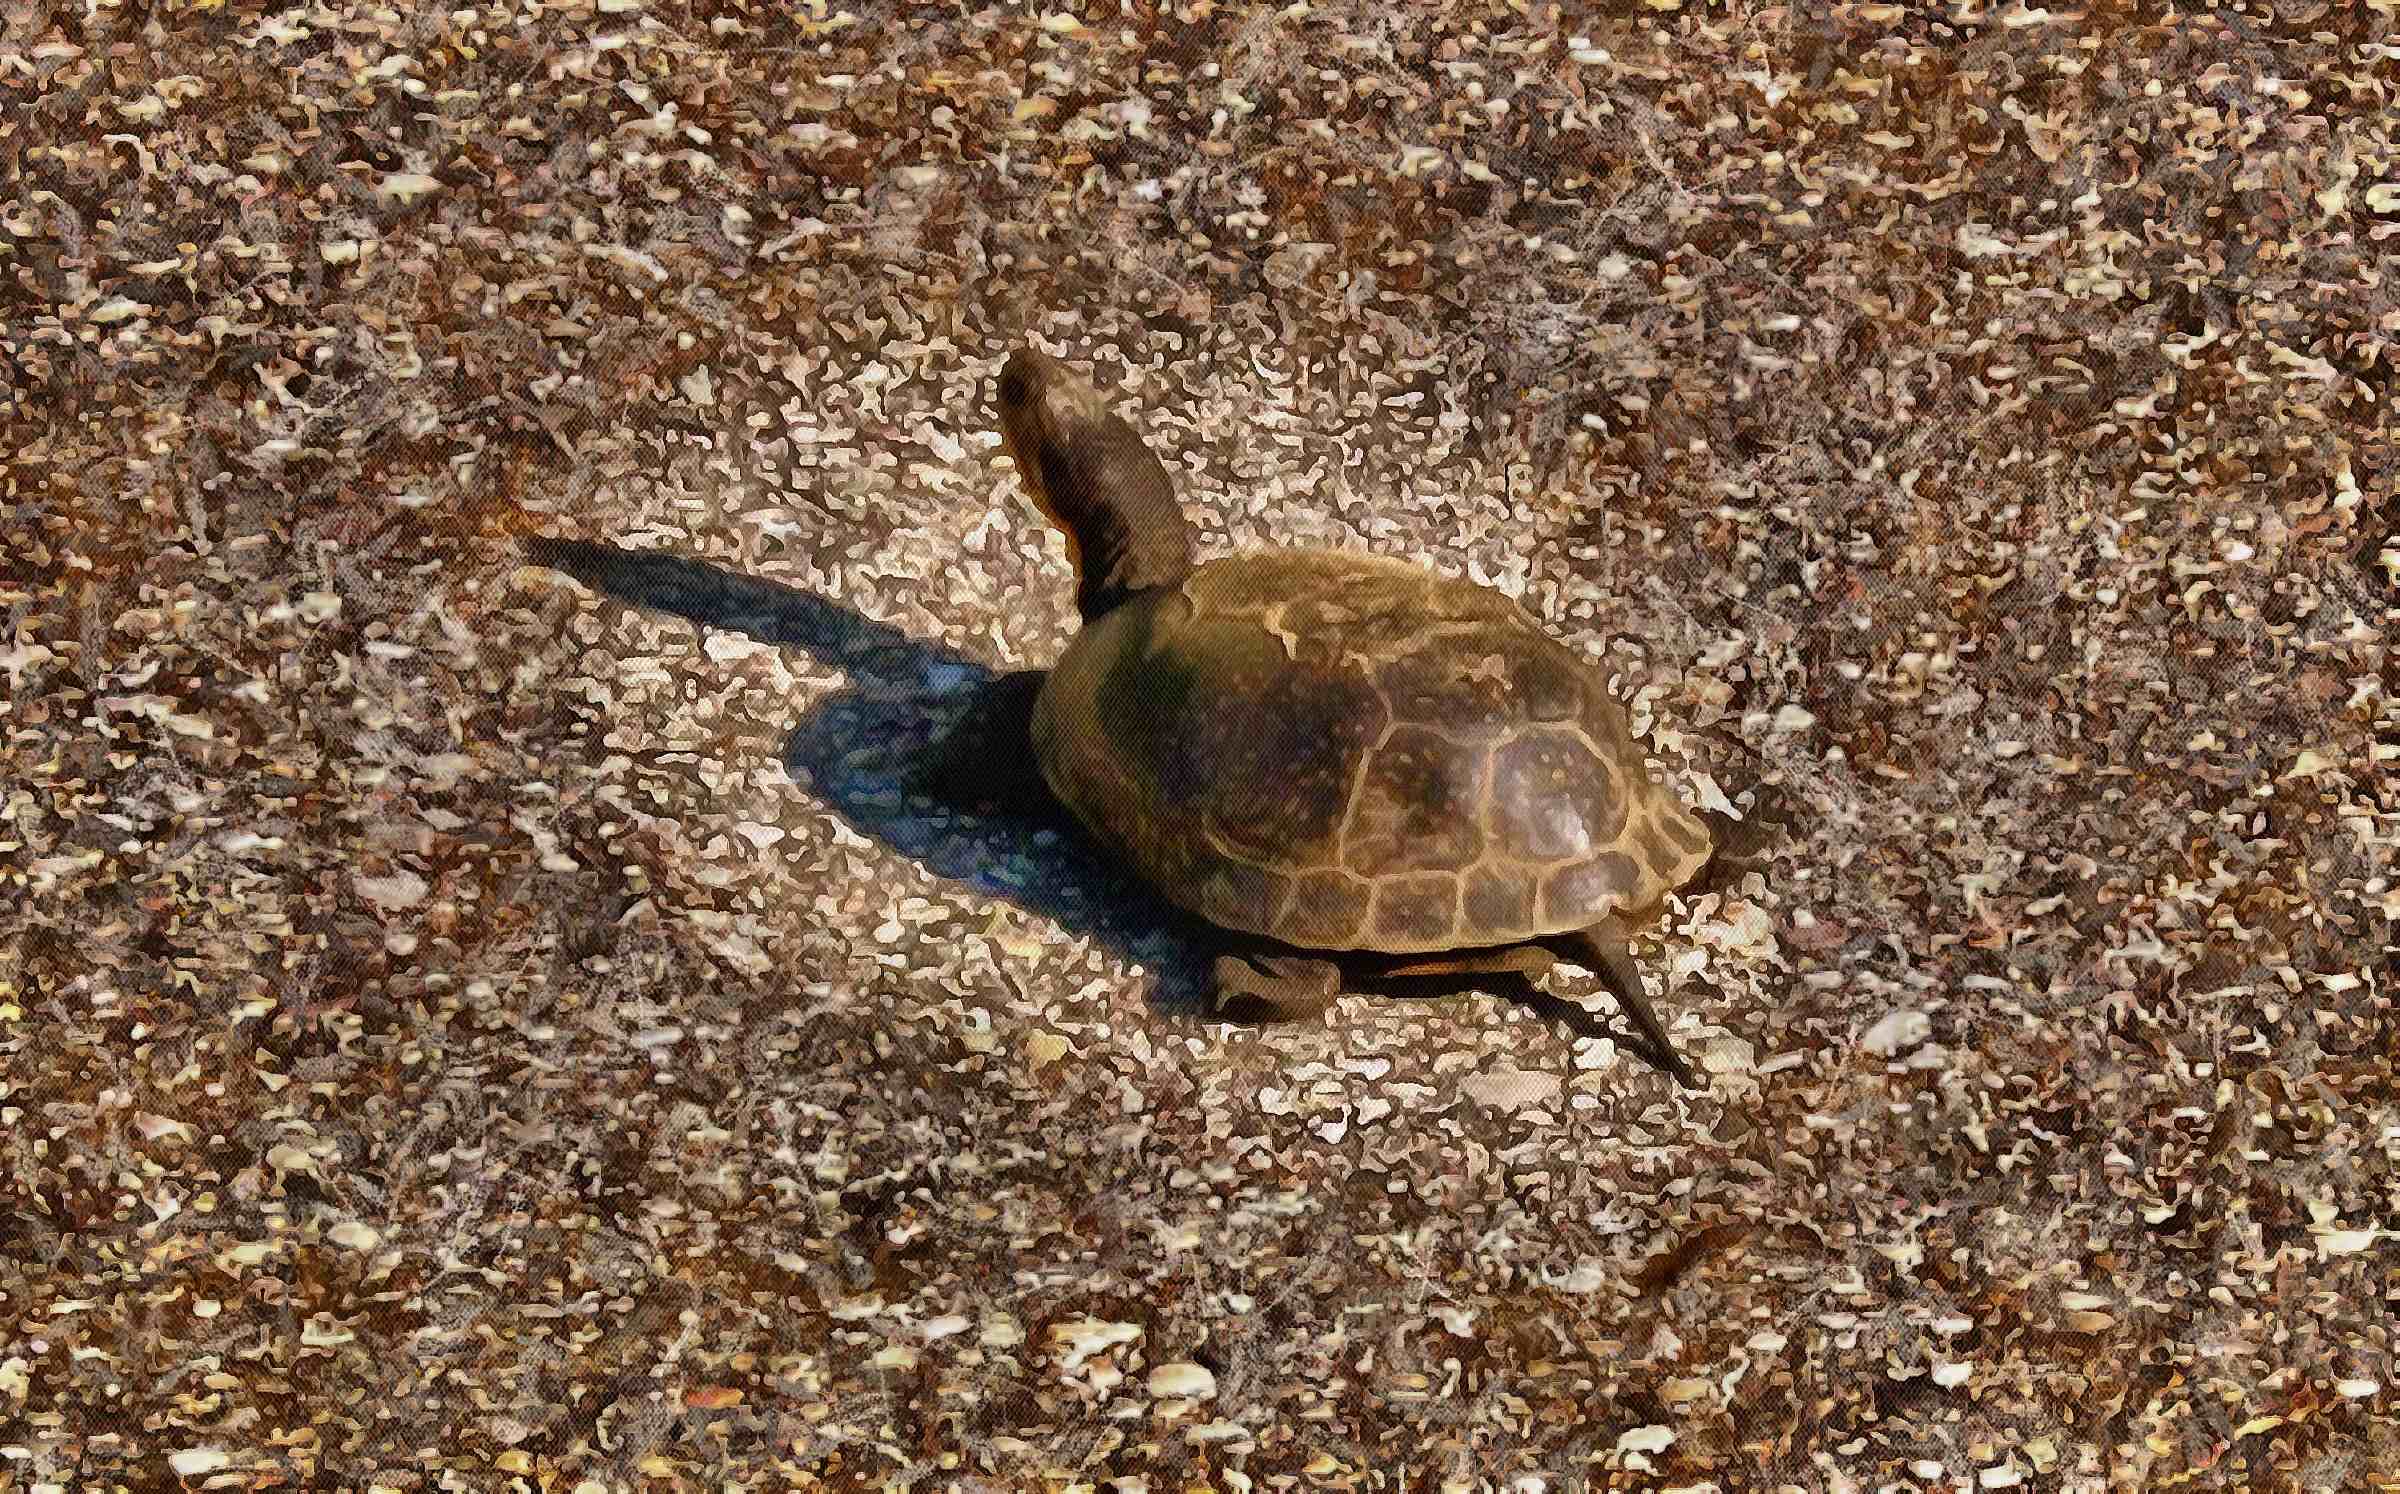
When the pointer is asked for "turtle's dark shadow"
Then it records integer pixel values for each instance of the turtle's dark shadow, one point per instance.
(925, 750)
(928, 751)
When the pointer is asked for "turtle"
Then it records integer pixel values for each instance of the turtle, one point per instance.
(1347, 763)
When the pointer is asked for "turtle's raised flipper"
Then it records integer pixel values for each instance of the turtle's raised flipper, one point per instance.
(1602, 949)
(1275, 988)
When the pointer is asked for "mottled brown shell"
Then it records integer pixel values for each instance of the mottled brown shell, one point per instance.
(1351, 753)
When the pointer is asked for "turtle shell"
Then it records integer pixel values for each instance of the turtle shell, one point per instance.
(1345, 752)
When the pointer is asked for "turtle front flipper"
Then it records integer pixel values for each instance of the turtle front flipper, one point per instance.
(1275, 988)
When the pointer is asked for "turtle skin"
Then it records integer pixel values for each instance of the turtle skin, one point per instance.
(1343, 752)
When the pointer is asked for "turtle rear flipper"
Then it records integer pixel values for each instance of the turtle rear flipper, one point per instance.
(1602, 950)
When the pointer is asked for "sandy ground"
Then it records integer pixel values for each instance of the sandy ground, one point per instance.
(462, 1027)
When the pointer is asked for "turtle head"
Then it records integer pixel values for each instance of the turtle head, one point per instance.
(1088, 472)
(1041, 404)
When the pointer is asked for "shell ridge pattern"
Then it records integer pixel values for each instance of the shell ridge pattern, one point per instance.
(1480, 740)
(1358, 781)
(1483, 823)
(1283, 904)
(1630, 795)
(1215, 836)
(1271, 620)
(1433, 632)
